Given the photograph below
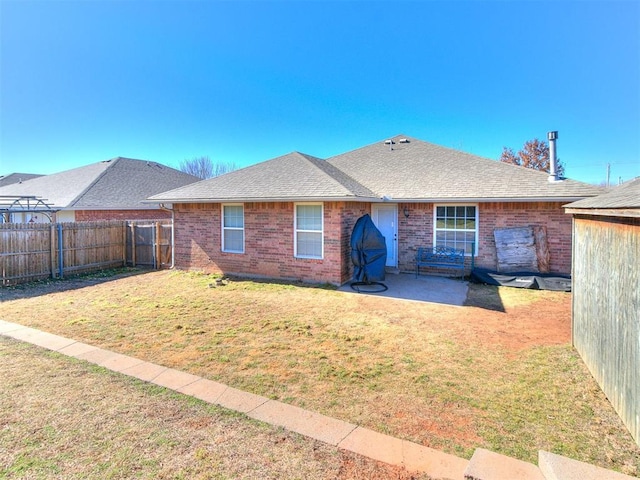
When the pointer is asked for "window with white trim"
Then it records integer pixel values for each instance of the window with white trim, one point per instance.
(309, 231)
(456, 226)
(233, 228)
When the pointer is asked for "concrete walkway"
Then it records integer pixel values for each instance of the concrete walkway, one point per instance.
(424, 288)
(347, 436)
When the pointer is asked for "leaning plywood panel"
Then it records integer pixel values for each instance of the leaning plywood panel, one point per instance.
(516, 249)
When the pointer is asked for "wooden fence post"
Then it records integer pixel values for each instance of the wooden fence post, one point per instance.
(52, 247)
(124, 244)
(158, 247)
(133, 244)
(60, 252)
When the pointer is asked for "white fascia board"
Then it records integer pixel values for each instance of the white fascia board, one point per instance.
(264, 199)
(484, 200)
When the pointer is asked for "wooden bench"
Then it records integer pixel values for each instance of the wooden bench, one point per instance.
(440, 257)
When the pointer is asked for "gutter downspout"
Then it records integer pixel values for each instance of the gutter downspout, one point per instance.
(173, 234)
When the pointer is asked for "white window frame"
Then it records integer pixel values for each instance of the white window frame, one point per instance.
(476, 231)
(296, 231)
(223, 228)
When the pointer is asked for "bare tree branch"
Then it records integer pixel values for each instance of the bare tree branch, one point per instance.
(203, 167)
(535, 155)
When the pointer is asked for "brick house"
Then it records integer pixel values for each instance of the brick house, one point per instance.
(110, 190)
(292, 217)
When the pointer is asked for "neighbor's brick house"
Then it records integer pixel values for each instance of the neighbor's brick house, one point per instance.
(292, 217)
(110, 190)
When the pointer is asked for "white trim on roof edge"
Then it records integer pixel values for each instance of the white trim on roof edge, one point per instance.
(371, 200)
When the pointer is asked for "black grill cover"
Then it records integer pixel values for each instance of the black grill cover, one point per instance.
(368, 251)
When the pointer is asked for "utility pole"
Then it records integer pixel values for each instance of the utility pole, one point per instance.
(608, 173)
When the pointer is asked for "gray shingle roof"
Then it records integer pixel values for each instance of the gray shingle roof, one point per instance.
(418, 170)
(411, 171)
(116, 184)
(16, 178)
(294, 176)
(623, 196)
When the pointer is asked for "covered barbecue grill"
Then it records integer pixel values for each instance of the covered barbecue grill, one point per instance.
(368, 254)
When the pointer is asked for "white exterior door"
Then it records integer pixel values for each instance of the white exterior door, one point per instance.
(385, 217)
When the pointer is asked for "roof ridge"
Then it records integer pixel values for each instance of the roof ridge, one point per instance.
(333, 169)
(111, 162)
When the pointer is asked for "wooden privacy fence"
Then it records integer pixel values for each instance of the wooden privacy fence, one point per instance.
(606, 314)
(36, 251)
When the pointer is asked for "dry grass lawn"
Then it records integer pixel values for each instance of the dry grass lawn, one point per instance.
(499, 373)
(61, 418)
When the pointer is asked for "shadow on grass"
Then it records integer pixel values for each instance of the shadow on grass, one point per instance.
(484, 296)
(44, 287)
(223, 279)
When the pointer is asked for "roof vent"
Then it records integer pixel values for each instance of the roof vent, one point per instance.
(389, 142)
(403, 140)
(553, 159)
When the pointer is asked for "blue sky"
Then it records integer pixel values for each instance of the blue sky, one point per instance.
(244, 82)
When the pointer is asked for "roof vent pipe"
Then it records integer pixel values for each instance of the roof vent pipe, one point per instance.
(553, 159)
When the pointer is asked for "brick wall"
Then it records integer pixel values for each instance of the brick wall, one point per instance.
(505, 215)
(413, 232)
(269, 242)
(417, 231)
(269, 238)
(96, 215)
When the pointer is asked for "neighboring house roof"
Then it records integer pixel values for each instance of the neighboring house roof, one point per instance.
(623, 200)
(292, 177)
(407, 170)
(16, 178)
(116, 184)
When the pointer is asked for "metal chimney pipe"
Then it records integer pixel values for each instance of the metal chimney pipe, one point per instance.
(553, 160)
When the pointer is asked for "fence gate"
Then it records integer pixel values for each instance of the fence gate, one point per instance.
(149, 244)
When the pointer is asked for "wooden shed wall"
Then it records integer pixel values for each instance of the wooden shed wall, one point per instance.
(606, 306)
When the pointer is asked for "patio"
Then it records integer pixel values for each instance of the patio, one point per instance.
(424, 288)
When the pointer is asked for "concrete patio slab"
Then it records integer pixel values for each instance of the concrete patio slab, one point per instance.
(204, 389)
(240, 401)
(145, 371)
(436, 464)
(174, 379)
(311, 424)
(485, 465)
(374, 445)
(424, 288)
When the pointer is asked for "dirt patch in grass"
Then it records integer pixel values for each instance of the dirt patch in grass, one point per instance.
(498, 373)
(60, 418)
